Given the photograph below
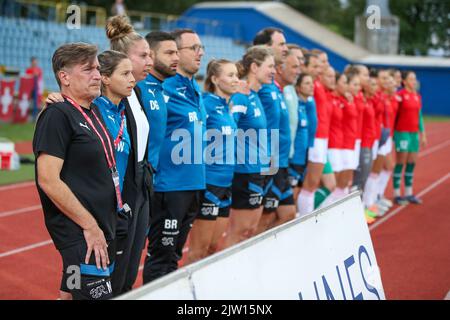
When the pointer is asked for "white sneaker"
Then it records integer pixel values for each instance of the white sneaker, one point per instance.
(386, 202)
(382, 209)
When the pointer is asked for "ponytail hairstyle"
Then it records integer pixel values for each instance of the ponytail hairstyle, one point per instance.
(214, 69)
(121, 34)
(256, 54)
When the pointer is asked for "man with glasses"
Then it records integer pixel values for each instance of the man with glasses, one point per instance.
(181, 172)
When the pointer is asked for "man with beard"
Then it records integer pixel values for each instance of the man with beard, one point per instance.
(164, 52)
(180, 175)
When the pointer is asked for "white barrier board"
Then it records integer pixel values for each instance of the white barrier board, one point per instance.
(326, 255)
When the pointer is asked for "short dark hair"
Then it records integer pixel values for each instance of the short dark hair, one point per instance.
(265, 36)
(373, 72)
(177, 33)
(308, 57)
(154, 38)
(406, 73)
(72, 54)
(301, 77)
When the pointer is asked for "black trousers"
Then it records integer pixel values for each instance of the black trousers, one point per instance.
(364, 168)
(171, 217)
(130, 248)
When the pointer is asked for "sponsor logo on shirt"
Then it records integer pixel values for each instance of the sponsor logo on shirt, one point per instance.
(210, 211)
(182, 92)
(112, 119)
(255, 199)
(98, 292)
(167, 241)
(219, 109)
(257, 112)
(85, 126)
(152, 92)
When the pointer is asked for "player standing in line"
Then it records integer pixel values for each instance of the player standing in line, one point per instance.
(383, 203)
(258, 67)
(368, 133)
(278, 189)
(343, 133)
(290, 95)
(281, 190)
(124, 39)
(408, 136)
(383, 111)
(212, 219)
(180, 178)
(304, 133)
(164, 52)
(317, 155)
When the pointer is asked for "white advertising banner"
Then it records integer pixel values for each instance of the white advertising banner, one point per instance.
(326, 255)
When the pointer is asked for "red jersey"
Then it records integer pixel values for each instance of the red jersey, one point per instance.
(37, 72)
(336, 137)
(378, 107)
(408, 116)
(360, 102)
(350, 123)
(369, 132)
(393, 112)
(324, 109)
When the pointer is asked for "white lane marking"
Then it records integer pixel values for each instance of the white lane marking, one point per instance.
(421, 194)
(433, 149)
(27, 248)
(18, 211)
(17, 185)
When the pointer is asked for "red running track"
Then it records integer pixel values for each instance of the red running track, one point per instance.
(411, 243)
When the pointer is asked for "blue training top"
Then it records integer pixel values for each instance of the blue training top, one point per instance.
(311, 113)
(112, 116)
(285, 132)
(154, 103)
(220, 151)
(306, 130)
(181, 166)
(252, 151)
(277, 116)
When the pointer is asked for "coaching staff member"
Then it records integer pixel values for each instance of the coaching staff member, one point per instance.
(74, 175)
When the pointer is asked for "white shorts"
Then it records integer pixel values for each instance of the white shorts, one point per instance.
(348, 159)
(336, 158)
(318, 153)
(375, 149)
(386, 148)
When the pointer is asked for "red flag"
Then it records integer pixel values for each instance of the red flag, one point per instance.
(6, 100)
(24, 100)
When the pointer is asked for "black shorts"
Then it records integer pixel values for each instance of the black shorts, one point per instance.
(85, 281)
(297, 175)
(215, 202)
(247, 190)
(279, 193)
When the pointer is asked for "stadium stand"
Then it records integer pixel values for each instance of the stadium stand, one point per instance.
(23, 38)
